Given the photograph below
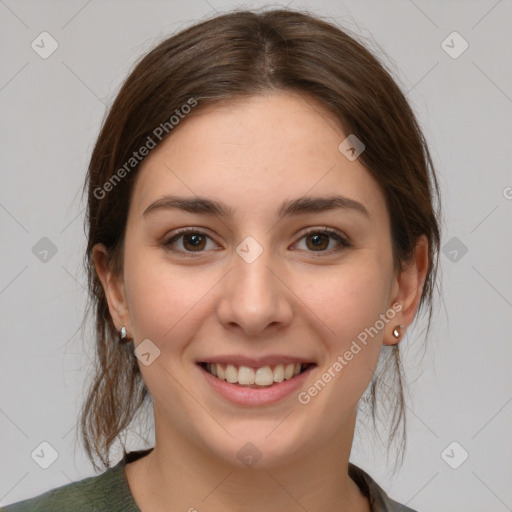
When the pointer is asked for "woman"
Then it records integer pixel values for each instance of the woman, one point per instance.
(262, 232)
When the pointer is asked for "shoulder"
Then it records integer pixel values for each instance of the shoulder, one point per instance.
(379, 500)
(107, 491)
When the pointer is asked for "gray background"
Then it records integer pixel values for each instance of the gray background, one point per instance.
(51, 112)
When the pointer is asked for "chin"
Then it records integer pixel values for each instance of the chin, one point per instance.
(257, 444)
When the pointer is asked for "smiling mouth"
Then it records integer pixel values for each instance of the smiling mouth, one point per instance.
(263, 377)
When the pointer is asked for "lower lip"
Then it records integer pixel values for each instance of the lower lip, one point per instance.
(253, 396)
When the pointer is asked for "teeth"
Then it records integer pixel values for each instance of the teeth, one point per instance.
(279, 373)
(231, 374)
(264, 376)
(246, 376)
(288, 371)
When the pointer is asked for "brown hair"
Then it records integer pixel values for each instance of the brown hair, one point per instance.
(229, 57)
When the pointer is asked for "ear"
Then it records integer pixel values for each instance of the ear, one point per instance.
(113, 285)
(407, 290)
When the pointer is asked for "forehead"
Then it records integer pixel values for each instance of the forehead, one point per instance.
(255, 152)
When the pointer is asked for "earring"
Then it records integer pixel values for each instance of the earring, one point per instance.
(396, 331)
(122, 334)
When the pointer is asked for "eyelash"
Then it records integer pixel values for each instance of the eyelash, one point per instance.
(344, 243)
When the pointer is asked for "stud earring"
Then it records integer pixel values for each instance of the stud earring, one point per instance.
(396, 331)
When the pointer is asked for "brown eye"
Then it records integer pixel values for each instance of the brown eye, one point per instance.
(192, 241)
(319, 240)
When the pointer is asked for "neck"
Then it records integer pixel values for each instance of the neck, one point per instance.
(179, 475)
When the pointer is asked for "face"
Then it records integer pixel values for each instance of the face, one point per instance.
(258, 282)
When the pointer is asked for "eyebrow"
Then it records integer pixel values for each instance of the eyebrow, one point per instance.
(299, 206)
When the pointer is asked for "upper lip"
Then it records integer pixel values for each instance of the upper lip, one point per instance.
(257, 362)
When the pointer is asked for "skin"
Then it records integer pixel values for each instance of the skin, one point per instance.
(293, 299)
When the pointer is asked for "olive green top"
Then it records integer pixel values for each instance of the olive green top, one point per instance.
(109, 492)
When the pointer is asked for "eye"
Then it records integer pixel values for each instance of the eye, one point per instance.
(195, 241)
(192, 241)
(319, 240)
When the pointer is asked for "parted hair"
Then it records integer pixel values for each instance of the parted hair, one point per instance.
(225, 58)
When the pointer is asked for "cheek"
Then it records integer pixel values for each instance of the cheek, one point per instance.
(348, 305)
(350, 298)
(165, 305)
(160, 301)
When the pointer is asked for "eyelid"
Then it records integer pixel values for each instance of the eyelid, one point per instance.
(325, 230)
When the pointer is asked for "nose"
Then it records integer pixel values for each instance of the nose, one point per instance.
(254, 296)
